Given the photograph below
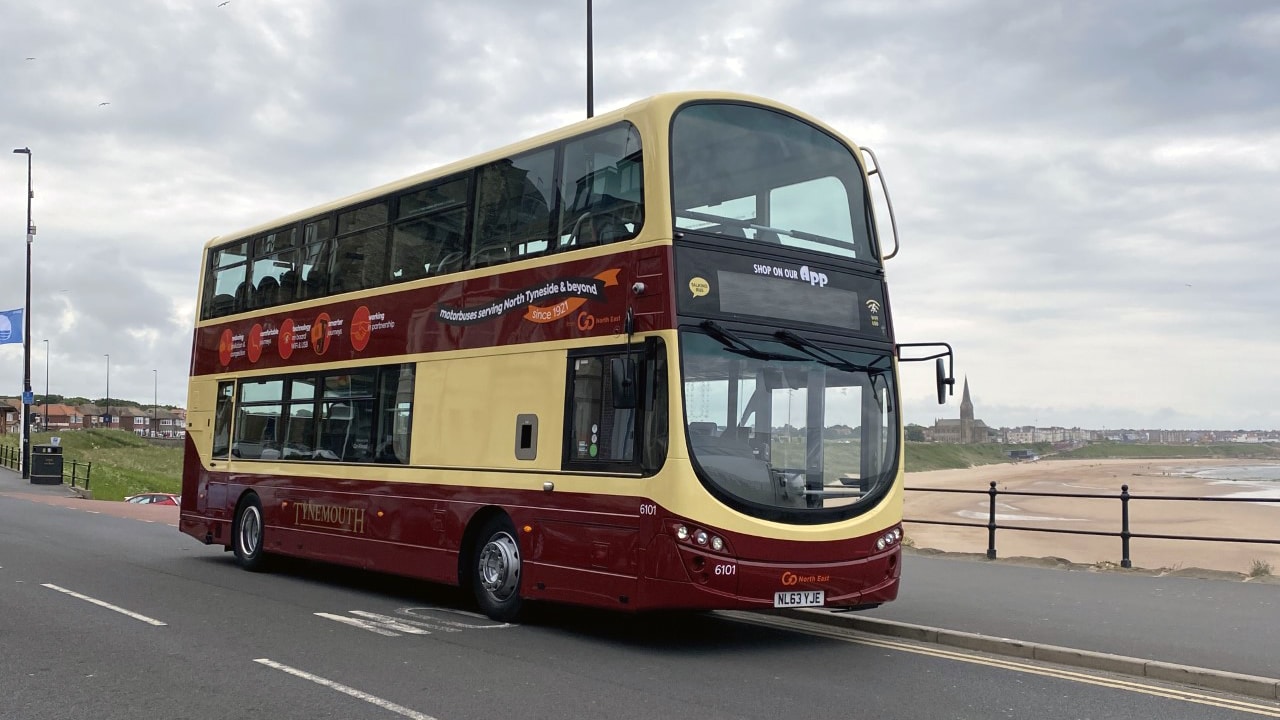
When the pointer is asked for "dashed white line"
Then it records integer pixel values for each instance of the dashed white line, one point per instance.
(358, 694)
(107, 605)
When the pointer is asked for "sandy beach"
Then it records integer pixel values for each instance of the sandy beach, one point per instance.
(1144, 477)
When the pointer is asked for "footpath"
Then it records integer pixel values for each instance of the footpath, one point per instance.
(1191, 627)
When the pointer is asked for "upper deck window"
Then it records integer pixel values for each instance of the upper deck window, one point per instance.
(753, 174)
(602, 188)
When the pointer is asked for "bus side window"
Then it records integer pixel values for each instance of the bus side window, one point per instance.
(514, 204)
(597, 432)
(222, 421)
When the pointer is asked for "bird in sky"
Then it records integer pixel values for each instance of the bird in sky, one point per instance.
(103, 103)
(224, 2)
(31, 58)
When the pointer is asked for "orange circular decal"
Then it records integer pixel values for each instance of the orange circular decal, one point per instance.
(360, 328)
(254, 348)
(284, 341)
(224, 348)
(320, 334)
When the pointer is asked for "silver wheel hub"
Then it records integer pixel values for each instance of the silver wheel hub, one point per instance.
(499, 566)
(250, 531)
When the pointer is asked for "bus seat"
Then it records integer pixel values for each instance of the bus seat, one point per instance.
(449, 262)
(221, 305)
(268, 293)
(243, 297)
(492, 254)
(288, 285)
(313, 285)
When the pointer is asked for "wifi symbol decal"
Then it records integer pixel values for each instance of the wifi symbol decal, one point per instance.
(873, 306)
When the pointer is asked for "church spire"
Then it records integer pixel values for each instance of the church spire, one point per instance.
(966, 404)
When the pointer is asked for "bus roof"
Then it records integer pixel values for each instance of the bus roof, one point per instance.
(662, 105)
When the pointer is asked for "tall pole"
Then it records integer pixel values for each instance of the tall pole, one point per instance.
(108, 417)
(591, 110)
(155, 400)
(26, 333)
(46, 385)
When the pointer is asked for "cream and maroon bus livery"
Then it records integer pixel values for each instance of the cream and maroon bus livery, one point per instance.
(645, 361)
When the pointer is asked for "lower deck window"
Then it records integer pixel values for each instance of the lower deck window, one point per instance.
(360, 416)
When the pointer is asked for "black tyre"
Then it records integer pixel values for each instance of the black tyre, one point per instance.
(247, 534)
(496, 566)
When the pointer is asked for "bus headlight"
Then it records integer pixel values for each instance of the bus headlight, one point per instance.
(682, 532)
(700, 537)
(716, 543)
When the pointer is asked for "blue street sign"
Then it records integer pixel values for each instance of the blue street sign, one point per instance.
(29, 397)
(106, 419)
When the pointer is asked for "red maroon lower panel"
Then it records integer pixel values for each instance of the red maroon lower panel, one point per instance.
(605, 551)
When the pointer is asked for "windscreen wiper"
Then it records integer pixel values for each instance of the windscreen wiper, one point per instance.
(749, 225)
(737, 345)
(823, 355)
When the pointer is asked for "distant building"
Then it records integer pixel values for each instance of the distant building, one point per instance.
(966, 430)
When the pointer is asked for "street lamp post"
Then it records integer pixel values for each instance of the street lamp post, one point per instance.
(107, 417)
(26, 333)
(591, 82)
(46, 384)
(155, 400)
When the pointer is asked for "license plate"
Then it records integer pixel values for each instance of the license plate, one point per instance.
(799, 598)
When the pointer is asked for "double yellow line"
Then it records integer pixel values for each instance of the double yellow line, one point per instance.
(1013, 665)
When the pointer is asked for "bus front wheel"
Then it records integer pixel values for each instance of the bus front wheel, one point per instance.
(246, 534)
(495, 579)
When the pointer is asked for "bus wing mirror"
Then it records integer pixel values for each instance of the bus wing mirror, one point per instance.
(622, 372)
(946, 381)
(941, 373)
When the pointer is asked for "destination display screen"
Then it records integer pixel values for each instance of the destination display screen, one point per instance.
(741, 287)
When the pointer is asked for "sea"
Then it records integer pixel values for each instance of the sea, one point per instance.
(1247, 481)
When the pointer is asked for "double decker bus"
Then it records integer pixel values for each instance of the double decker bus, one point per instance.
(645, 361)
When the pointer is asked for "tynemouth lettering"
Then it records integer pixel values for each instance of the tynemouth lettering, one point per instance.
(804, 274)
(334, 517)
(580, 288)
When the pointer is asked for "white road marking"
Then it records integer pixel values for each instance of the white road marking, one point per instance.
(107, 605)
(359, 695)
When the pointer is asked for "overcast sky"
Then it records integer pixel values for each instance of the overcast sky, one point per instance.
(1087, 192)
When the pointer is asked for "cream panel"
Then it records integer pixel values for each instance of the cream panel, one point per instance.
(465, 410)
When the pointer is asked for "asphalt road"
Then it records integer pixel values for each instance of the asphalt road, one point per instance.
(83, 596)
(1209, 623)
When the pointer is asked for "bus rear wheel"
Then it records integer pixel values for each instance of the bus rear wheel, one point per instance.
(495, 579)
(246, 534)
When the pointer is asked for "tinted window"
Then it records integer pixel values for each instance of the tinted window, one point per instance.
(515, 202)
(749, 174)
(603, 188)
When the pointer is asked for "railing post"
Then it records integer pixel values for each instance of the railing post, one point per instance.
(991, 524)
(88, 468)
(1125, 562)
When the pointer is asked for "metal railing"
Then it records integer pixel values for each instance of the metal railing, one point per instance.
(1125, 534)
(79, 472)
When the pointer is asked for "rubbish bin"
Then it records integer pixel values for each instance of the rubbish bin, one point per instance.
(46, 465)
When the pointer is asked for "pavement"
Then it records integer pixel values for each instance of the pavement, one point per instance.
(12, 485)
(1208, 631)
